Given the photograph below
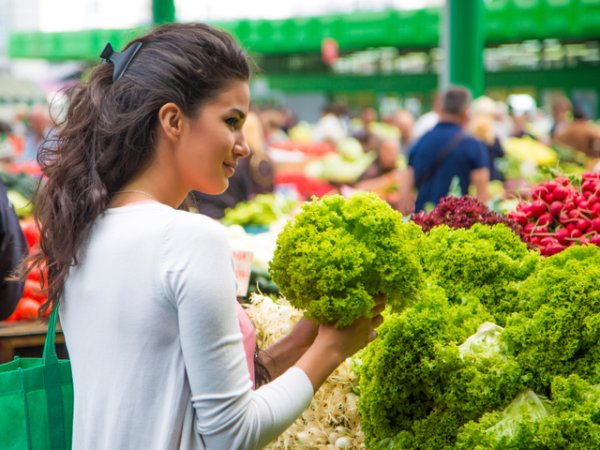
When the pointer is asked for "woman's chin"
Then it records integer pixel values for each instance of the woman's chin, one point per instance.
(214, 190)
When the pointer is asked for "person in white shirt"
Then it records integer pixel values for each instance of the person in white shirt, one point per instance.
(146, 290)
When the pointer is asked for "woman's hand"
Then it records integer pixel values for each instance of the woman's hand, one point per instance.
(304, 333)
(333, 345)
(354, 337)
(284, 353)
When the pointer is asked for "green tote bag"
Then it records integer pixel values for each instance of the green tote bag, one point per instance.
(36, 400)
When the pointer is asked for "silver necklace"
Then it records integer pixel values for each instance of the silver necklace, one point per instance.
(137, 191)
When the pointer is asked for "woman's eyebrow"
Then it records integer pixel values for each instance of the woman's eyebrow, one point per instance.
(239, 112)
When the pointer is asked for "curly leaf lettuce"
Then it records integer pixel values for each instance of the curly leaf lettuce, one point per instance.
(417, 387)
(571, 420)
(487, 262)
(557, 331)
(336, 253)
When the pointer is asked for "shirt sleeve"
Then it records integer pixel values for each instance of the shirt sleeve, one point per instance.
(199, 281)
(478, 155)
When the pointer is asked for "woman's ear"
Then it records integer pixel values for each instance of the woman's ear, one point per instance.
(171, 120)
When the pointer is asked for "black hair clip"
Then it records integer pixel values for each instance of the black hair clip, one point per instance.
(120, 61)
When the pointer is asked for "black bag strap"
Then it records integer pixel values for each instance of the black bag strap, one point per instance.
(441, 157)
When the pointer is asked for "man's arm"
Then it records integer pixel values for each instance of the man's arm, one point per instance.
(480, 178)
(406, 196)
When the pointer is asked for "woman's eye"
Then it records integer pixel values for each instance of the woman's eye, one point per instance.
(232, 122)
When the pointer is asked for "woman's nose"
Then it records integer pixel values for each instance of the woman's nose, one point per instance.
(241, 148)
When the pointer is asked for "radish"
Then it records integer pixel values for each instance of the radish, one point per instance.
(556, 207)
(576, 233)
(545, 219)
(560, 193)
(582, 225)
(561, 235)
(538, 208)
(553, 249)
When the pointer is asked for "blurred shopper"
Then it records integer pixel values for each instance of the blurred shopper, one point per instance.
(254, 175)
(382, 174)
(581, 134)
(445, 153)
(562, 110)
(273, 124)
(38, 131)
(362, 124)
(521, 125)
(405, 122)
(13, 248)
(428, 120)
(482, 126)
(502, 120)
(332, 127)
(147, 291)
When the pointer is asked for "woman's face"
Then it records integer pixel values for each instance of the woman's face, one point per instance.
(212, 142)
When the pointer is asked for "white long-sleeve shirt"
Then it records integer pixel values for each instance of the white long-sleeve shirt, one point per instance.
(149, 318)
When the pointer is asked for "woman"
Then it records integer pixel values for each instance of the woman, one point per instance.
(146, 291)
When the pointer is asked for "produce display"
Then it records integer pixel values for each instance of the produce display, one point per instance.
(567, 422)
(444, 372)
(262, 210)
(21, 189)
(556, 329)
(563, 212)
(337, 253)
(461, 212)
(527, 149)
(483, 262)
(344, 166)
(33, 296)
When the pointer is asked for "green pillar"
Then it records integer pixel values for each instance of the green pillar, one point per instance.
(464, 43)
(163, 11)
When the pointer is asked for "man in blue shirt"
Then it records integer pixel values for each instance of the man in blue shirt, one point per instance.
(445, 153)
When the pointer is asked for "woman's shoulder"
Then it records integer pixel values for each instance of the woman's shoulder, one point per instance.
(193, 222)
(186, 234)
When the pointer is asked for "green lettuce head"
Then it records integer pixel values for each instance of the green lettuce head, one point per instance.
(337, 253)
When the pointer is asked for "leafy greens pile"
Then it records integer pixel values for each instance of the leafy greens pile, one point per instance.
(445, 375)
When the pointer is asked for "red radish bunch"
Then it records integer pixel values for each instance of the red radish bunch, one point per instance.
(561, 214)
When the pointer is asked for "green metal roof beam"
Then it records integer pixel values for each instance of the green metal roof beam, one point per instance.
(163, 11)
(76, 45)
(505, 21)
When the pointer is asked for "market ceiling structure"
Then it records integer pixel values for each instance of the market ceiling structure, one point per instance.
(503, 21)
(474, 25)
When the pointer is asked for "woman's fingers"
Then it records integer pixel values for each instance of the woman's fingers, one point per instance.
(377, 310)
(376, 321)
(380, 299)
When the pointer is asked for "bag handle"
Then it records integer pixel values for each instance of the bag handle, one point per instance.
(441, 157)
(49, 345)
(53, 386)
